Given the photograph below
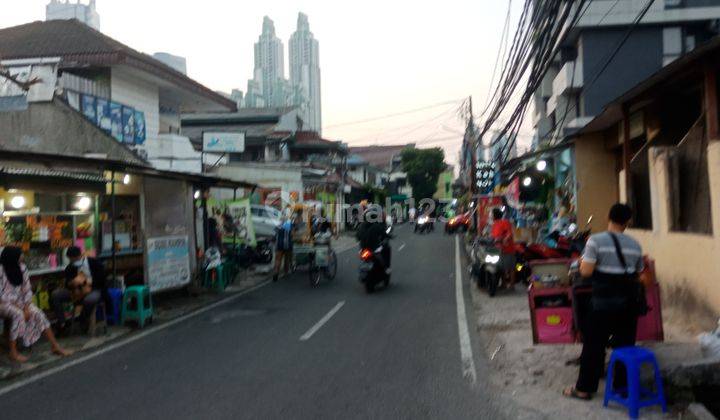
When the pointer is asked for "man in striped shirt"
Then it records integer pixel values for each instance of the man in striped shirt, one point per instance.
(613, 260)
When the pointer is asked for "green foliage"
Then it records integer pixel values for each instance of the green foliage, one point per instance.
(423, 168)
(374, 194)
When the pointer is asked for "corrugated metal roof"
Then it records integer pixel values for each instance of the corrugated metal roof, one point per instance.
(76, 176)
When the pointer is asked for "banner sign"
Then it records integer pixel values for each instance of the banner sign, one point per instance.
(88, 107)
(128, 125)
(224, 142)
(485, 177)
(512, 193)
(234, 220)
(139, 128)
(116, 121)
(168, 262)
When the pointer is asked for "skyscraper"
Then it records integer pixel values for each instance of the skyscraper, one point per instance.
(268, 86)
(305, 73)
(85, 13)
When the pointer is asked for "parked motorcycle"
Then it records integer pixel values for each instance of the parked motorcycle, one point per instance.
(246, 256)
(373, 268)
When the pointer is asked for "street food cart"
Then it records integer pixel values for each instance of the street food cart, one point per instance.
(557, 304)
(312, 250)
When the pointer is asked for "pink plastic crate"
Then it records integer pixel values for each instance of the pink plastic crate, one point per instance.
(554, 325)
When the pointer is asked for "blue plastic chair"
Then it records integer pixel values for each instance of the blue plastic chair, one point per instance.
(635, 396)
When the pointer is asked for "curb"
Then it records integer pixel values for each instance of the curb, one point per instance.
(697, 411)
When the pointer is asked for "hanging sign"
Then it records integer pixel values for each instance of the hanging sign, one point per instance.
(485, 177)
(224, 142)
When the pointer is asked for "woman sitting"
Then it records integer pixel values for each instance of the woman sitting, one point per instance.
(27, 321)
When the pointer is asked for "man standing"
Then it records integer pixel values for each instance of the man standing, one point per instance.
(613, 260)
(94, 273)
(283, 248)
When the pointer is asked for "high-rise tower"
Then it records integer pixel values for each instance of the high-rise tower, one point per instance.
(305, 72)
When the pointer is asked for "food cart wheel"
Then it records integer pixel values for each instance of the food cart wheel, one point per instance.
(314, 273)
(331, 270)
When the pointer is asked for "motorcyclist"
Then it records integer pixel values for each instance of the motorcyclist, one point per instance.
(373, 233)
(502, 233)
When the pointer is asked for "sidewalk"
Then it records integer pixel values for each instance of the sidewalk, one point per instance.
(535, 375)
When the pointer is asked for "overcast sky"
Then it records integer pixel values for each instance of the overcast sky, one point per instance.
(376, 57)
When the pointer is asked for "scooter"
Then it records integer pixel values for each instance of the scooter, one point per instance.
(424, 225)
(373, 268)
(485, 268)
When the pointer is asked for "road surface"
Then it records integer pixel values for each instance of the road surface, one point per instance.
(288, 351)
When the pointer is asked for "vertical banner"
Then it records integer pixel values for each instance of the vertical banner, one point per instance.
(116, 121)
(168, 260)
(512, 193)
(139, 128)
(128, 125)
(103, 115)
(88, 107)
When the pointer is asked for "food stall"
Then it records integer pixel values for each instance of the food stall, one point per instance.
(558, 302)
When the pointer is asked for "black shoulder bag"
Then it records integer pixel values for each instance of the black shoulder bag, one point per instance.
(639, 300)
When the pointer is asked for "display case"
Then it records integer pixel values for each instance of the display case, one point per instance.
(44, 237)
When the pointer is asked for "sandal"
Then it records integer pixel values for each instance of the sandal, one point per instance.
(571, 392)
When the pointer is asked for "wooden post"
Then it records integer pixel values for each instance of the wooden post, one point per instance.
(626, 153)
(711, 102)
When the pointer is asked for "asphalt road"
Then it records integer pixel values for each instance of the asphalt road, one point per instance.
(393, 354)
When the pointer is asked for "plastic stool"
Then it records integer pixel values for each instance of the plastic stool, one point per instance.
(137, 305)
(637, 396)
(113, 313)
(218, 280)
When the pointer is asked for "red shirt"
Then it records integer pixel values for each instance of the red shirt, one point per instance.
(502, 230)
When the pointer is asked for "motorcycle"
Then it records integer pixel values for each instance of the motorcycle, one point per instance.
(423, 225)
(569, 243)
(373, 268)
(485, 265)
(246, 256)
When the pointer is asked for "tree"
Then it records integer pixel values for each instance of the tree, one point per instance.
(423, 168)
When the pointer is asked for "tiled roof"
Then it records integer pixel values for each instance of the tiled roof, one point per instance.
(378, 156)
(80, 45)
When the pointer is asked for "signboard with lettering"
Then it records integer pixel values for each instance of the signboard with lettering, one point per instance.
(168, 262)
(224, 142)
(485, 177)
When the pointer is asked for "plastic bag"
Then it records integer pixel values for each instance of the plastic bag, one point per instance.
(710, 343)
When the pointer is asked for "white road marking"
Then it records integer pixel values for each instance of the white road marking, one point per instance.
(76, 361)
(466, 354)
(322, 322)
(401, 247)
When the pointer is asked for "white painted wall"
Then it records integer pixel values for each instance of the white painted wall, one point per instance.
(286, 178)
(139, 94)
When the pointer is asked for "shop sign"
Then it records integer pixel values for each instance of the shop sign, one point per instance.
(234, 220)
(224, 142)
(168, 264)
(485, 177)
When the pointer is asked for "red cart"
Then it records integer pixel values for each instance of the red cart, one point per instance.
(556, 312)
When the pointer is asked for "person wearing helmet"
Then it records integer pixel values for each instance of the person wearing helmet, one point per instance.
(373, 232)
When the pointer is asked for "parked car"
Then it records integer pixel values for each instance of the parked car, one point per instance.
(265, 219)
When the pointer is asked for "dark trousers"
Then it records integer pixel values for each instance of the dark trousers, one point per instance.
(603, 329)
(60, 297)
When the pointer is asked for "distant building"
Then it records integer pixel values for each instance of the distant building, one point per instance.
(574, 89)
(387, 166)
(175, 61)
(85, 13)
(268, 87)
(305, 72)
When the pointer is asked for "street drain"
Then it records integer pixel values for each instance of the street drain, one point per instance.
(241, 313)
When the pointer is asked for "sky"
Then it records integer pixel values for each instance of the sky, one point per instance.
(377, 58)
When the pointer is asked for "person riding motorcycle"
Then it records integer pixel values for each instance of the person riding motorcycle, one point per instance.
(373, 233)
